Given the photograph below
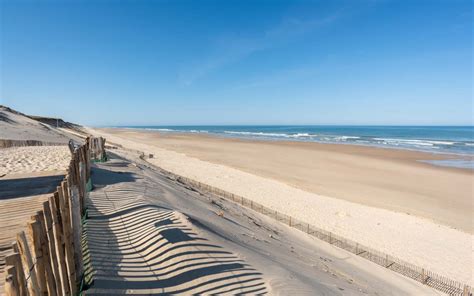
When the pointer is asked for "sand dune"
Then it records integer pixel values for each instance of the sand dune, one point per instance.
(420, 241)
(148, 234)
(17, 126)
(136, 246)
(140, 248)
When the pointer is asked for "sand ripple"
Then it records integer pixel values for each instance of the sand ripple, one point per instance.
(22, 160)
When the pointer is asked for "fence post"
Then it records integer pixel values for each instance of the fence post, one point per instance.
(27, 260)
(58, 240)
(11, 282)
(34, 233)
(52, 246)
(423, 276)
(15, 260)
(465, 291)
(68, 248)
(50, 281)
(87, 156)
(104, 155)
(76, 226)
(77, 180)
(83, 179)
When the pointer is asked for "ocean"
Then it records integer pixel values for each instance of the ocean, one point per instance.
(457, 140)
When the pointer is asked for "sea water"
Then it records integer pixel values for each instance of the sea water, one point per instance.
(456, 140)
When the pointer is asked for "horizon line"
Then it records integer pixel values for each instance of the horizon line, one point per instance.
(269, 125)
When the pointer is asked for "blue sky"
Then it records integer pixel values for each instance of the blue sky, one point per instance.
(239, 62)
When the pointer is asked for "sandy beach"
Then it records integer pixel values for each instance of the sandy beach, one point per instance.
(191, 242)
(382, 198)
(391, 179)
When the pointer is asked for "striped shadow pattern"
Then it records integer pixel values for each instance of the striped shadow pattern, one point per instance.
(132, 246)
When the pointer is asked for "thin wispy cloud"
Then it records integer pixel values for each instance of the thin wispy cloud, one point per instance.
(232, 48)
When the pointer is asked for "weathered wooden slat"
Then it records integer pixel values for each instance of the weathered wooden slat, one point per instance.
(51, 284)
(15, 260)
(37, 253)
(58, 242)
(67, 236)
(11, 283)
(28, 265)
(52, 246)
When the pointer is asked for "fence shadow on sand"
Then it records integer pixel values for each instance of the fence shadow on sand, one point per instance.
(133, 246)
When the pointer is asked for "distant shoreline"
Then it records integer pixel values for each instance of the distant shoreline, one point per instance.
(325, 168)
(437, 158)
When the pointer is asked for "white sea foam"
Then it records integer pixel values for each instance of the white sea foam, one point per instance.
(344, 138)
(197, 131)
(257, 134)
(277, 135)
(404, 142)
(441, 142)
(159, 129)
(302, 135)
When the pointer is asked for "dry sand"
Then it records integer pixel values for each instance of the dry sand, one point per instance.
(368, 173)
(146, 233)
(386, 178)
(18, 127)
(33, 159)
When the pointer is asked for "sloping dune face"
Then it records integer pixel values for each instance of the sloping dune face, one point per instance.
(136, 247)
(19, 127)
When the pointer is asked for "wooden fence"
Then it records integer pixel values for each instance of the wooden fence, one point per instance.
(4, 143)
(48, 259)
(425, 276)
(97, 149)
